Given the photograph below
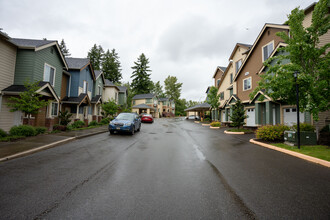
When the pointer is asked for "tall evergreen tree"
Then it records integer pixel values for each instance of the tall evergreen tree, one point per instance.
(95, 55)
(158, 90)
(172, 88)
(111, 66)
(141, 83)
(64, 50)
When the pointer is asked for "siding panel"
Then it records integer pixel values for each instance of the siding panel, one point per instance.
(7, 64)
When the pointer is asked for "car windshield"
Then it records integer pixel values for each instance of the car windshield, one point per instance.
(148, 115)
(129, 117)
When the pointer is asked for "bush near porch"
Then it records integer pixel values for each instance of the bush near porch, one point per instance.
(272, 132)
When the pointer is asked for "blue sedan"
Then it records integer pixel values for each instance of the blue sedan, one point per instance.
(125, 122)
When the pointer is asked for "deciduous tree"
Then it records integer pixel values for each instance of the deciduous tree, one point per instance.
(172, 88)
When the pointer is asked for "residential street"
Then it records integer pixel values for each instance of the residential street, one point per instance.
(171, 169)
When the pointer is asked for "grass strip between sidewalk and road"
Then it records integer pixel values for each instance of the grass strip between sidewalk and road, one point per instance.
(318, 151)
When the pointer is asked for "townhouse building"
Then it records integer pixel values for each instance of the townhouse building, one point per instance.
(146, 103)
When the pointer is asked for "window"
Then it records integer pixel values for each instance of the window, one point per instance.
(218, 82)
(230, 92)
(294, 110)
(222, 95)
(267, 50)
(116, 96)
(133, 102)
(238, 64)
(49, 74)
(54, 108)
(231, 78)
(85, 87)
(247, 84)
(99, 90)
(149, 101)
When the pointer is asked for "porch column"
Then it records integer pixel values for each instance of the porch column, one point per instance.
(49, 113)
(269, 113)
(77, 114)
(258, 113)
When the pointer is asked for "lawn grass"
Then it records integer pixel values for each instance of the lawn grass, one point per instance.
(241, 130)
(318, 151)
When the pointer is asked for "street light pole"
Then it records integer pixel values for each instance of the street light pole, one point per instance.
(295, 74)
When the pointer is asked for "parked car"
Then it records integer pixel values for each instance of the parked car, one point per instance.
(194, 117)
(147, 118)
(125, 122)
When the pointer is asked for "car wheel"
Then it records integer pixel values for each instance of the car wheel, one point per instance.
(133, 130)
(112, 132)
(139, 128)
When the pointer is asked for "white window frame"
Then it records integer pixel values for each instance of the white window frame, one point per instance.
(44, 76)
(249, 78)
(262, 50)
(52, 110)
(85, 86)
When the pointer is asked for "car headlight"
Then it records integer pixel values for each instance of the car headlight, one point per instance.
(127, 124)
(112, 123)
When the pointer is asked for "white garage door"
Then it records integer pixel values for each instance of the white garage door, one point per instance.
(251, 120)
(290, 116)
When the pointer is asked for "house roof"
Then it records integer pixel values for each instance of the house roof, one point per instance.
(96, 99)
(76, 100)
(221, 68)
(37, 45)
(224, 74)
(142, 106)
(199, 107)
(108, 83)
(163, 99)
(246, 46)
(267, 25)
(233, 96)
(122, 88)
(79, 64)
(16, 89)
(144, 96)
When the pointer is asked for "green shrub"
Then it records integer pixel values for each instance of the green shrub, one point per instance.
(216, 124)
(65, 118)
(93, 123)
(23, 130)
(104, 121)
(41, 130)
(207, 119)
(304, 127)
(2, 133)
(272, 132)
(78, 124)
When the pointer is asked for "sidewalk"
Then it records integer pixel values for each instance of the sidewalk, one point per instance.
(10, 150)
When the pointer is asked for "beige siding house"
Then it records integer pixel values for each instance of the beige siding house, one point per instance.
(8, 53)
(110, 92)
(146, 103)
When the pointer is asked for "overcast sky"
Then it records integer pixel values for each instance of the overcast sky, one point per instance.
(183, 38)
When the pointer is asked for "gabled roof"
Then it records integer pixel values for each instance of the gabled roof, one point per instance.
(108, 83)
(79, 64)
(99, 73)
(37, 45)
(96, 99)
(163, 99)
(122, 88)
(142, 106)
(76, 100)
(17, 89)
(261, 93)
(273, 53)
(144, 96)
(280, 26)
(246, 46)
(200, 107)
(233, 96)
(219, 68)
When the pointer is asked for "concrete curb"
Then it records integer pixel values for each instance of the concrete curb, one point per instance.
(230, 132)
(292, 153)
(47, 146)
(196, 122)
(206, 125)
(214, 127)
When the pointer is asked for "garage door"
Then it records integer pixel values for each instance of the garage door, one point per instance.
(251, 120)
(290, 116)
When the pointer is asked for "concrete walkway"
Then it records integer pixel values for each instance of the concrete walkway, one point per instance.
(11, 150)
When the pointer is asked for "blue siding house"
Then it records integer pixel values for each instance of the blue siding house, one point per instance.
(81, 86)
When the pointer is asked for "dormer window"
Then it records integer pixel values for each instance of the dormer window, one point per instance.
(267, 51)
(49, 74)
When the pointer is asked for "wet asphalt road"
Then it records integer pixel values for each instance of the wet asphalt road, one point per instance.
(171, 169)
